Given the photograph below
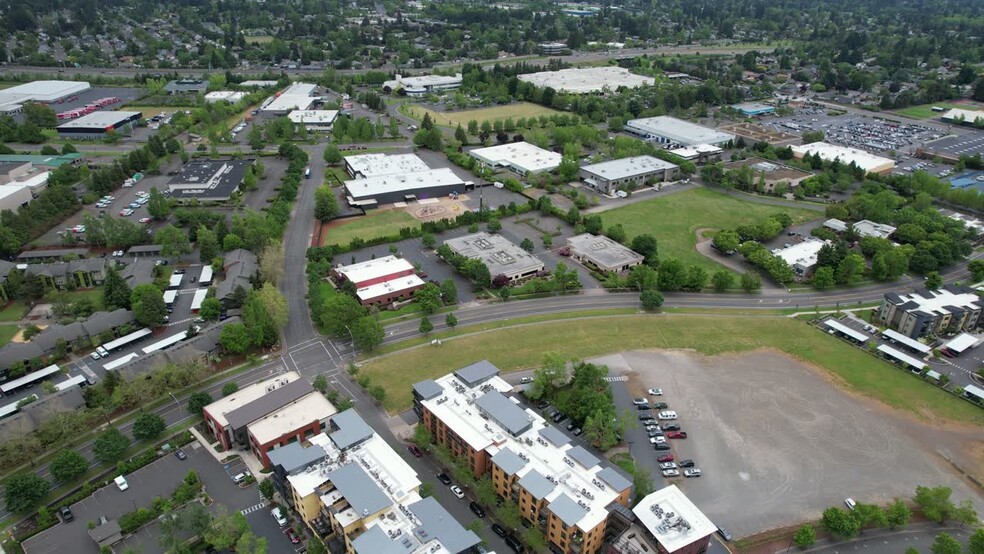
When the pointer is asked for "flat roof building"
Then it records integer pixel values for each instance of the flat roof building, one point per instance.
(229, 96)
(602, 253)
(587, 80)
(674, 522)
(927, 312)
(676, 132)
(208, 180)
(395, 290)
(373, 165)
(371, 272)
(867, 161)
(44, 160)
(802, 256)
(298, 96)
(228, 417)
(769, 174)
(422, 84)
(404, 187)
(960, 116)
(754, 108)
(557, 484)
(12, 99)
(627, 173)
(498, 254)
(521, 157)
(97, 124)
(699, 153)
(296, 421)
(257, 84)
(186, 86)
(313, 119)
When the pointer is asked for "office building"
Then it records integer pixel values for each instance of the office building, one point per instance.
(520, 157)
(601, 253)
(298, 96)
(931, 312)
(313, 120)
(767, 174)
(863, 228)
(363, 166)
(97, 125)
(422, 84)
(627, 173)
(186, 86)
(229, 96)
(802, 256)
(498, 254)
(370, 192)
(208, 180)
(699, 153)
(754, 109)
(846, 155)
(587, 80)
(380, 281)
(561, 488)
(676, 132)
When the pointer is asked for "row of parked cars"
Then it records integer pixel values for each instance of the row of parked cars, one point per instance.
(659, 433)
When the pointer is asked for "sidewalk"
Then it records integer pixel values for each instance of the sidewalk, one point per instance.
(254, 465)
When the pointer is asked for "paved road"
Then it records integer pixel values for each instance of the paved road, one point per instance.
(294, 284)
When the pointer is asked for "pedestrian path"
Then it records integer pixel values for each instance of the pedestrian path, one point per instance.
(616, 378)
(251, 509)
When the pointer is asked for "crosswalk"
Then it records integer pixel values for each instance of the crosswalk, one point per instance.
(617, 378)
(251, 509)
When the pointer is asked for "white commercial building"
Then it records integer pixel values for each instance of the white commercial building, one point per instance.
(521, 157)
(801, 257)
(229, 96)
(404, 187)
(602, 253)
(377, 270)
(587, 80)
(13, 99)
(699, 153)
(867, 161)
(627, 173)
(373, 165)
(423, 84)
(498, 254)
(674, 521)
(864, 228)
(676, 132)
(957, 115)
(13, 196)
(298, 96)
(258, 84)
(321, 120)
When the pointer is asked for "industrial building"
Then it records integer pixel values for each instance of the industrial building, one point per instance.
(96, 125)
(752, 109)
(208, 180)
(561, 488)
(867, 161)
(930, 312)
(863, 228)
(12, 99)
(520, 157)
(627, 173)
(186, 86)
(802, 256)
(298, 96)
(498, 254)
(380, 281)
(602, 253)
(370, 192)
(373, 165)
(229, 96)
(351, 488)
(959, 116)
(769, 174)
(587, 80)
(676, 132)
(673, 524)
(257, 84)
(422, 84)
(45, 161)
(313, 120)
(699, 153)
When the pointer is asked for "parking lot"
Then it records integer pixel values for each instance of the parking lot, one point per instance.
(770, 432)
(125, 94)
(866, 133)
(966, 142)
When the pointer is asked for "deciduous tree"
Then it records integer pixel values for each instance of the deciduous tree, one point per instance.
(23, 492)
(651, 299)
(67, 465)
(147, 303)
(211, 309)
(451, 321)
(272, 263)
(368, 333)
(425, 326)
(946, 544)
(197, 402)
(235, 339)
(898, 514)
(805, 536)
(148, 425)
(839, 522)
(173, 241)
(110, 446)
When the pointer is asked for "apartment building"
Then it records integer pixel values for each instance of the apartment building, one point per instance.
(931, 312)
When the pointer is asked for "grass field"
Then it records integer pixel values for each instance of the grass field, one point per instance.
(7, 332)
(260, 39)
(674, 220)
(377, 224)
(925, 111)
(453, 119)
(13, 312)
(516, 348)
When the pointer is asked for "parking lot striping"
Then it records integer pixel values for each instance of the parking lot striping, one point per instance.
(616, 378)
(254, 508)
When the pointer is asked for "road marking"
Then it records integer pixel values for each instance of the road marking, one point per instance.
(254, 508)
(616, 379)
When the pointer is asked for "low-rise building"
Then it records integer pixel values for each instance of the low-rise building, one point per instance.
(298, 96)
(422, 84)
(846, 155)
(84, 273)
(230, 96)
(186, 86)
(863, 228)
(12, 99)
(97, 125)
(699, 153)
(627, 173)
(561, 488)
(673, 524)
(296, 421)
(371, 272)
(395, 290)
(364, 166)
(520, 157)
(676, 132)
(553, 48)
(932, 312)
(767, 174)
(602, 253)
(208, 180)
(313, 120)
(963, 117)
(802, 256)
(587, 79)
(371, 192)
(240, 267)
(498, 254)
(754, 108)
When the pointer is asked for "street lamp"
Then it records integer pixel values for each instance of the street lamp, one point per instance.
(351, 336)
(176, 403)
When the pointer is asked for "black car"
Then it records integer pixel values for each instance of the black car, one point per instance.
(660, 406)
(559, 417)
(66, 514)
(643, 408)
(686, 463)
(646, 416)
(443, 477)
(476, 509)
(514, 544)
(571, 425)
(671, 427)
(655, 433)
(661, 446)
(180, 454)
(542, 404)
(498, 530)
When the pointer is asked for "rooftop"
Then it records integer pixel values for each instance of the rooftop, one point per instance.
(400, 182)
(423, 82)
(275, 396)
(847, 155)
(288, 102)
(244, 396)
(688, 152)
(293, 416)
(503, 411)
(500, 255)
(627, 167)
(588, 79)
(803, 253)
(389, 287)
(359, 489)
(521, 155)
(40, 91)
(99, 119)
(372, 269)
(678, 130)
(226, 95)
(772, 171)
(350, 429)
(939, 301)
(956, 114)
(602, 250)
(209, 178)
(318, 117)
(673, 519)
(374, 165)
(867, 228)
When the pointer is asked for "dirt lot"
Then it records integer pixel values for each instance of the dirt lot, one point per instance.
(772, 435)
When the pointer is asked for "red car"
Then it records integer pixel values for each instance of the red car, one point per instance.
(676, 435)
(414, 450)
(294, 539)
(664, 458)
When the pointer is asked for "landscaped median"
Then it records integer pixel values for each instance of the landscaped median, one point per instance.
(522, 346)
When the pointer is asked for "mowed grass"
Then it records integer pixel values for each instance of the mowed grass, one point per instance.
(13, 312)
(925, 111)
(381, 223)
(260, 39)
(675, 219)
(453, 119)
(523, 346)
(151, 111)
(7, 332)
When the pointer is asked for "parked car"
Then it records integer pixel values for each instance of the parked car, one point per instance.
(121, 483)
(498, 530)
(456, 490)
(676, 435)
(414, 450)
(691, 472)
(646, 416)
(664, 458)
(654, 433)
(671, 473)
(559, 417)
(667, 465)
(294, 539)
(525, 380)
(640, 401)
(660, 406)
(66, 514)
(443, 477)
(661, 446)
(671, 427)
(577, 432)
(655, 392)
(180, 454)
(724, 533)
(850, 503)
(516, 546)
(476, 509)
(643, 408)
(542, 404)
(686, 463)
(278, 515)
(667, 414)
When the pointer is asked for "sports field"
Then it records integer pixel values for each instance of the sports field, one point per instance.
(380, 223)
(925, 111)
(453, 119)
(517, 347)
(675, 219)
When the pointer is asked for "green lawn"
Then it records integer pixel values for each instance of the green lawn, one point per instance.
(7, 332)
(13, 312)
(519, 347)
(675, 219)
(925, 111)
(95, 295)
(453, 119)
(377, 224)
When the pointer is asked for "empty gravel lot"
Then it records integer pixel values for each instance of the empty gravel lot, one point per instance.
(777, 443)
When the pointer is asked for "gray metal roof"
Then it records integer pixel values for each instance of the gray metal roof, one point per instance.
(569, 511)
(54, 253)
(505, 412)
(359, 489)
(554, 435)
(428, 389)
(615, 480)
(376, 541)
(101, 321)
(352, 429)
(508, 461)
(436, 522)
(294, 457)
(536, 484)
(476, 373)
(144, 248)
(105, 531)
(583, 457)
(268, 403)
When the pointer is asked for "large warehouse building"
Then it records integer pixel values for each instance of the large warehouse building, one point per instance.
(498, 254)
(374, 165)
(521, 157)
(96, 125)
(423, 84)
(381, 179)
(208, 180)
(867, 161)
(676, 132)
(13, 99)
(627, 173)
(587, 80)
(298, 96)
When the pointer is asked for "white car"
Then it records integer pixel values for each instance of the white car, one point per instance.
(121, 483)
(668, 465)
(525, 380)
(621, 194)
(668, 414)
(694, 472)
(456, 490)
(640, 401)
(657, 439)
(671, 473)
(279, 517)
(850, 503)
(655, 392)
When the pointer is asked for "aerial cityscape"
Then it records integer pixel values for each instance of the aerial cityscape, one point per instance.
(417, 277)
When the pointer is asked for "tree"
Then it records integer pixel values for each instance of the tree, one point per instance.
(173, 241)
(23, 492)
(975, 544)
(934, 280)
(965, 513)
(340, 313)
(230, 388)
(422, 436)
(368, 333)
(976, 268)
(823, 278)
(460, 136)
(274, 303)
(235, 338)
(158, 206)
(110, 446)
(839, 522)
(493, 225)
(722, 280)
(451, 321)
(314, 544)
(148, 306)
(946, 544)
(148, 425)
(534, 539)
(116, 293)
(527, 245)
(449, 292)
(208, 244)
(850, 268)
(616, 233)
(805, 536)
(197, 402)
(67, 465)
(642, 277)
(332, 155)
(549, 376)
(898, 514)
(750, 281)
(726, 241)
(325, 203)
(651, 299)
(211, 309)
(425, 326)
(248, 543)
(869, 515)
(646, 246)
(935, 503)
(508, 513)
(226, 527)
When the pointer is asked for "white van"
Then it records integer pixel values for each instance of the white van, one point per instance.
(279, 516)
(121, 483)
(102, 351)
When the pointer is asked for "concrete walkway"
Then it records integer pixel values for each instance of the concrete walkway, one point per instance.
(252, 463)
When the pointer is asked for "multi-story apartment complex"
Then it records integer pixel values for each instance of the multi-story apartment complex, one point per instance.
(930, 312)
(560, 488)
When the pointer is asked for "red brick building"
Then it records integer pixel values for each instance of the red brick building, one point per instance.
(372, 272)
